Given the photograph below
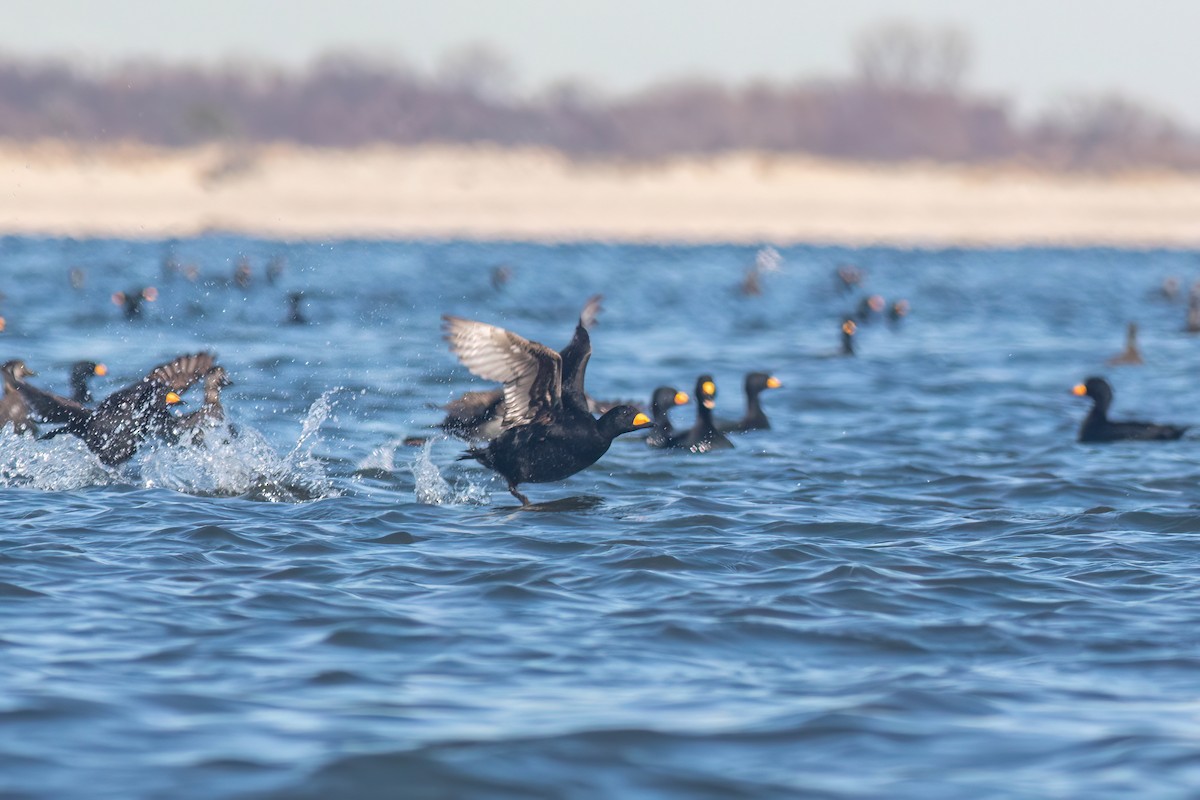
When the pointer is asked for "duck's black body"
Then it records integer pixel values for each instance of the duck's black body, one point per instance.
(13, 409)
(131, 301)
(547, 433)
(755, 418)
(849, 328)
(1098, 428)
(704, 435)
(663, 400)
(81, 373)
(540, 452)
(121, 422)
(295, 312)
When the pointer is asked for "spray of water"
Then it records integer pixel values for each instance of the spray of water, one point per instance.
(225, 463)
(432, 489)
(57, 465)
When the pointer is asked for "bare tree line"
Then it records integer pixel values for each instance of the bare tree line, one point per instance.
(905, 100)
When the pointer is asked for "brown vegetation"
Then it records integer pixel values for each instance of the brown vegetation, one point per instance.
(905, 101)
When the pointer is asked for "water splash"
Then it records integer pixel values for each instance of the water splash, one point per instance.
(381, 460)
(223, 464)
(57, 465)
(245, 465)
(433, 489)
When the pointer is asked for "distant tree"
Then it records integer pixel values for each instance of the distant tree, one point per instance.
(478, 70)
(1110, 131)
(902, 56)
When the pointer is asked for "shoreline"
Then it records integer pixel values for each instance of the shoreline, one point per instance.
(489, 193)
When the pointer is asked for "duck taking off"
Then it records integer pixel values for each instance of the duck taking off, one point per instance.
(121, 422)
(546, 432)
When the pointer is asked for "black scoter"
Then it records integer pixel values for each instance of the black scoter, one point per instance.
(547, 433)
(81, 373)
(295, 311)
(476, 415)
(121, 422)
(755, 418)
(13, 408)
(662, 401)
(131, 301)
(849, 328)
(704, 435)
(1098, 428)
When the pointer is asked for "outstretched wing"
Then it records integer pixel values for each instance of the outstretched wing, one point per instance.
(49, 407)
(591, 310)
(471, 406)
(531, 372)
(181, 373)
(577, 353)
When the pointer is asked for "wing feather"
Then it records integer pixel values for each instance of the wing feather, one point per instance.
(531, 372)
(49, 407)
(182, 372)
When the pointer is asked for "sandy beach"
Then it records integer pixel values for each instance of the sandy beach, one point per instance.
(489, 193)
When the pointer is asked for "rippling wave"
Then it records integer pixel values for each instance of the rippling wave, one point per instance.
(916, 584)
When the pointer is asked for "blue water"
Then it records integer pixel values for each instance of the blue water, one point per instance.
(917, 585)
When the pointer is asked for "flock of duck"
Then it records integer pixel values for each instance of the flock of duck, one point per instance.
(540, 425)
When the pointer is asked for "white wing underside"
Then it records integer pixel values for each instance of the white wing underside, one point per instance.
(531, 372)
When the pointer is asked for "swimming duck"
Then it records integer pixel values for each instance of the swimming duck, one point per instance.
(704, 435)
(274, 269)
(1097, 427)
(13, 409)
(546, 433)
(122, 421)
(848, 278)
(897, 311)
(754, 419)
(662, 401)
(849, 328)
(295, 312)
(131, 301)
(1192, 325)
(1130, 355)
(870, 307)
(81, 373)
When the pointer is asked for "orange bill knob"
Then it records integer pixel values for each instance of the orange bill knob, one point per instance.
(709, 388)
(173, 398)
(641, 420)
(1079, 389)
(773, 382)
(100, 370)
(681, 398)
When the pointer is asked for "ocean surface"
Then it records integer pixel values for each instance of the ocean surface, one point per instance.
(915, 585)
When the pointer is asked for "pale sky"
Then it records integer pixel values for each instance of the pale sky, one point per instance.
(1034, 51)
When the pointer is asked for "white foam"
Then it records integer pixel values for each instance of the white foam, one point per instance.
(432, 489)
(223, 464)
